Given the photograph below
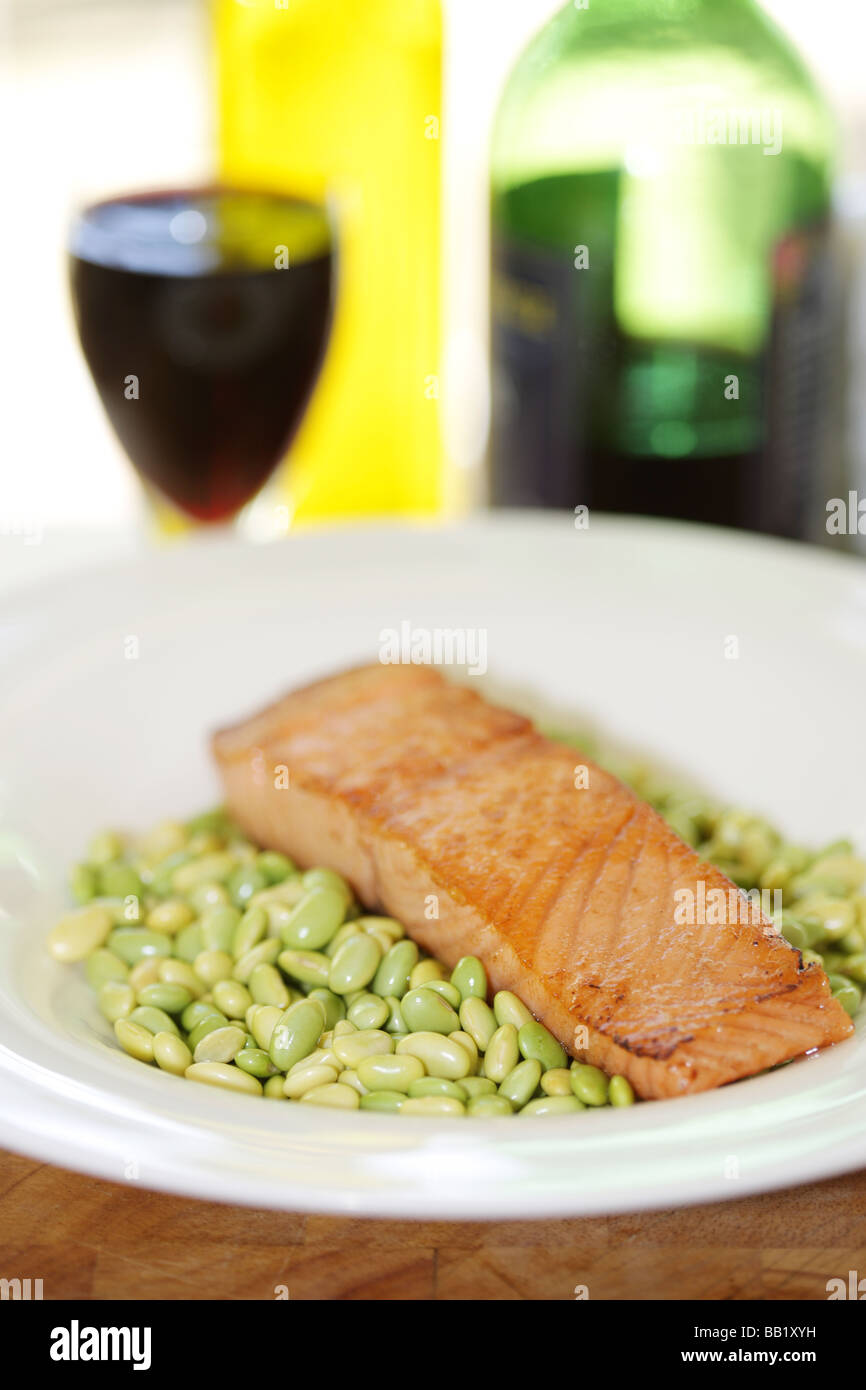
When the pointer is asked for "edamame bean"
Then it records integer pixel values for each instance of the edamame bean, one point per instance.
(354, 965)
(620, 1091)
(172, 999)
(274, 866)
(535, 1041)
(189, 943)
(396, 966)
(337, 1096)
(208, 895)
(384, 926)
(246, 880)
(387, 1072)
(134, 1039)
(382, 939)
(502, 1053)
(264, 954)
(209, 868)
(335, 1009)
(433, 1105)
(125, 912)
(249, 931)
(170, 916)
(277, 902)
(327, 878)
(177, 972)
(486, 1106)
(163, 874)
(266, 986)
(255, 1061)
(352, 1048)
(347, 930)
(102, 966)
(520, 1084)
(196, 1011)
(171, 1053)
(79, 933)
(264, 1022)
(165, 838)
(509, 1009)
(119, 881)
(310, 967)
(295, 1034)
(307, 1079)
(220, 1045)
(232, 998)
(369, 1012)
(83, 883)
(479, 1021)
(552, 1105)
(132, 944)
(206, 1025)
(154, 1020)
(104, 847)
(845, 868)
(116, 1000)
(213, 966)
(468, 1043)
(589, 1084)
(846, 993)
(441, 1055)
(470, 978)
(427, 1012)
(557, 1082)
(435, 1086)
(322, 1057)
(447, 991)
(479, 1086)
(273, 1088)
(314, 921)
(218, 926)
(387, 1101)
(424, 971)
(204, 843)
(215, 821)
(855, 967)
(351, 1078)
(835, 916)
(146, 972)
(224, 1075)
(396, 1022)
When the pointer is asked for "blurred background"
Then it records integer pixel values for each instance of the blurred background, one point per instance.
(386, 111)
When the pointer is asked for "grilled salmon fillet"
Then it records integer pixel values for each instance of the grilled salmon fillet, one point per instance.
(458, 818)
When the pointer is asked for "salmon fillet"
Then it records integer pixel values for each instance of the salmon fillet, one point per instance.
(458, 818)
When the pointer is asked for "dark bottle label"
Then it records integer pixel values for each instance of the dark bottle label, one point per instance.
(791, 485)
(576, 406)
(539, 378)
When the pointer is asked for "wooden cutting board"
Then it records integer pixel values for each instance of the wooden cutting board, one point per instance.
(86, 1238)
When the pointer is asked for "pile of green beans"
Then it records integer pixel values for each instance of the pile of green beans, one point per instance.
(823, 891)
(223, 963)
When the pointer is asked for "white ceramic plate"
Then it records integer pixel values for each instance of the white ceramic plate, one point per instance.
(111, 681)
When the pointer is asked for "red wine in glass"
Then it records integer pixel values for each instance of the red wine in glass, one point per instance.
(203, 316)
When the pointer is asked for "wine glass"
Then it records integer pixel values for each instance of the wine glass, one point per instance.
(203, 315)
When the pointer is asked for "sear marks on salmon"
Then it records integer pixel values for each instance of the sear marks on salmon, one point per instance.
(461, 820)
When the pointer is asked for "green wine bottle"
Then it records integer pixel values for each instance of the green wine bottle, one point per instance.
(662, 269)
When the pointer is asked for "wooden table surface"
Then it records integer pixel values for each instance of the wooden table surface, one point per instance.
(86, 1238)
